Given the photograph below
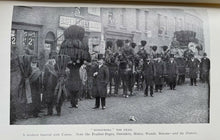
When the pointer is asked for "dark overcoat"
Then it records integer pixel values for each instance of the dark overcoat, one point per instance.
(49, 83)
(149, 73)
(205, 65)
(101, 81)
(172, 70)
(193, 68)
(159, 67)
(36, 89)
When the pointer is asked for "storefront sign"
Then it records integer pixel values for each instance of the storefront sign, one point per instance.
(13, 37)
(92, 26)
(30, 39)
(60, 37)
(94, 11)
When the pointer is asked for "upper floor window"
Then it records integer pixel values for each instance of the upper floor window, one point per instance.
(160, 28)
(166, 24)
(137, 19)
(123, 17)
(110, 17)
(146, 14)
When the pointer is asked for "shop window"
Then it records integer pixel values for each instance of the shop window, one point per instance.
(13, 37)
(30, 40)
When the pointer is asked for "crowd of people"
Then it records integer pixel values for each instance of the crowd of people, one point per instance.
(113, 70)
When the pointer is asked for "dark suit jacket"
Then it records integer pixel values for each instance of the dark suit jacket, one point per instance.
(101, 81)
(149, 72)
(172, 69)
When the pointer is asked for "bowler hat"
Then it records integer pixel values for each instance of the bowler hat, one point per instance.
(127, 41)
(52, 55)
(165, 48)
(34, 59)
(100, 56)
(143, 42)
(154, 48)
(171, 55)
(133, 45)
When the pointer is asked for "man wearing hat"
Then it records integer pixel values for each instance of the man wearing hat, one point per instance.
(149, 74)
(193, 69)
(154, 51)
(36, 86)
(205, 68)
(126, 62)
(49, 83)
(101, 78)
(172, 72)
(159, 67)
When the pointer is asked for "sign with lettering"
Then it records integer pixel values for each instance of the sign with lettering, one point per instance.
(94, 11)
(60, 37)
(13, 37)
(92, 26)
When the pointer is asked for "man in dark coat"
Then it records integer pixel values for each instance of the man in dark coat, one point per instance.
(193, 69)
(126, 61)
(122, 74)
(89, 83)
(101, 78)
(172, 71)
(149, 73)
(159, 67)
(113, 72)
(36, 86)
(205, 68)
(129, 76)
(49, 84)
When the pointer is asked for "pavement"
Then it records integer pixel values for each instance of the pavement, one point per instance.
(186, 104)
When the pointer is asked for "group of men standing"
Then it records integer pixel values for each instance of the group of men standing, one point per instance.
(123, 68)
(154, 69)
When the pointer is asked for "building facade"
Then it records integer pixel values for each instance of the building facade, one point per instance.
(40, 29)
(155, 25)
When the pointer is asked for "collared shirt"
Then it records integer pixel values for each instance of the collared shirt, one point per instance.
(100, 66)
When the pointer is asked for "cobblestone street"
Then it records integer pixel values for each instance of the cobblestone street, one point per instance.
(186, 104)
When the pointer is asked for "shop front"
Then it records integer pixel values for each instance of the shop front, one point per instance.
(92, 31)
(25, 38)
(112, 36)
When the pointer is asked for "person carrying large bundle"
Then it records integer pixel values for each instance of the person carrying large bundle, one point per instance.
(24, 90)
(54, 82)
(74, 47)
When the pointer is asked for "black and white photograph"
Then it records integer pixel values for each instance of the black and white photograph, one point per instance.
(109, 65)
